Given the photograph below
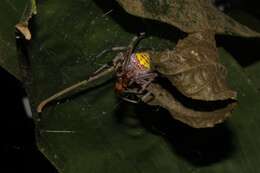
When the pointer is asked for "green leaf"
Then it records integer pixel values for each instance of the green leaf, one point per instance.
(188, 15)
(94, 131)
(11, 12)
(253, 74)
(253, 68)
(67, 39)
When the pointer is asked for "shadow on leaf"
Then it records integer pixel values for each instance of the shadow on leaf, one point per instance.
(200, 147)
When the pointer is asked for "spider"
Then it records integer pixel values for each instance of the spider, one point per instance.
(133, 74)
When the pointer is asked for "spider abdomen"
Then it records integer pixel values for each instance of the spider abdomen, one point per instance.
(140, 62)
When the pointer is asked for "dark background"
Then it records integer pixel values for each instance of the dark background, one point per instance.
(17, 147)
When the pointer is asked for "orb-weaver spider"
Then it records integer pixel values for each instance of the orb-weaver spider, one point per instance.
(133, 74)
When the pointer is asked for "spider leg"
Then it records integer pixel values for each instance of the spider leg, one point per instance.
(103, 71)
(113, 49)
(103, 67)
(148, 80)
(140, 78)
(147, 97)
(114, 61)
(130, 49)
(143, 80)
(132, 91)
(129, 100)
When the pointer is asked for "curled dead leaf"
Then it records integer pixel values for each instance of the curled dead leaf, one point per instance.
(188, 15)
(192, 117)
(194, 68)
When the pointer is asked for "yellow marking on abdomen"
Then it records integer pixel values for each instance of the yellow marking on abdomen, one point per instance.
(144, 59)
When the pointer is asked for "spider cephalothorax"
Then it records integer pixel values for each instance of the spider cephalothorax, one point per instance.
(133, 74)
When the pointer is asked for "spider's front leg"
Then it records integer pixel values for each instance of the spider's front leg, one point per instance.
(103, 71)
(130, 50)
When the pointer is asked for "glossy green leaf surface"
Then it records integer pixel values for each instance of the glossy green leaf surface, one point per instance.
(253, 73)
(10, 14)
(94, 131)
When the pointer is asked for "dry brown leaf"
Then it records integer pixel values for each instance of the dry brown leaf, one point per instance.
(188, 15)
(191, 117)
(194, 68)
